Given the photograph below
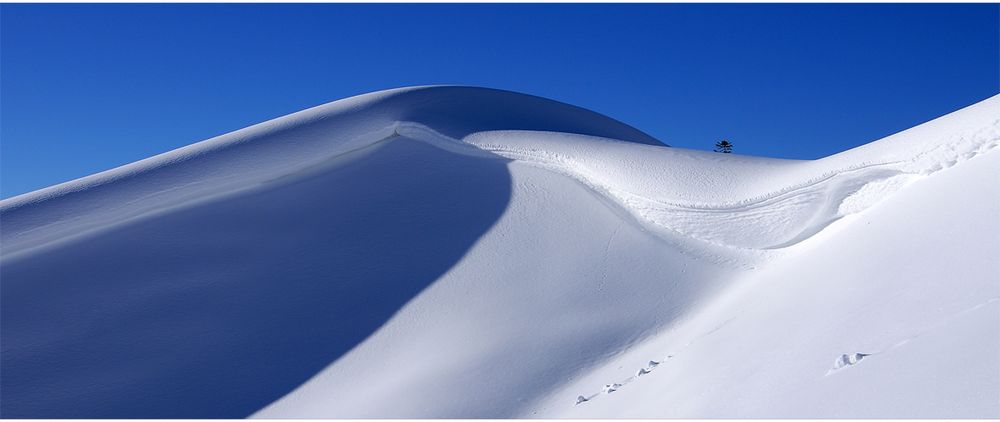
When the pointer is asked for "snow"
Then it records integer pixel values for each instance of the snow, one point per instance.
(751, 202)
(439, 252)
(914, 284)
(846, 360)
(247, 158)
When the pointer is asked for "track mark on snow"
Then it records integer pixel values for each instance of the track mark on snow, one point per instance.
(615, 386)
(852, 359)
(604, 259)
(847, 359)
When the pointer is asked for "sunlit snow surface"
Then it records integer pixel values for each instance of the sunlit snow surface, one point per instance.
(466, 252)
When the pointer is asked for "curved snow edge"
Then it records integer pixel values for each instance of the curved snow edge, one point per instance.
(267, 151)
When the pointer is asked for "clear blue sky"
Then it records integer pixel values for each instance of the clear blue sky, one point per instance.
(85, 88)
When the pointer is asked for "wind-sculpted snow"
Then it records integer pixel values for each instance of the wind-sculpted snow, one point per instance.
(751, 202)
(217, 309)
(467, 252)
(212, 280)
(249, 157)
(554, 373)
(892, 315)
(728, 200)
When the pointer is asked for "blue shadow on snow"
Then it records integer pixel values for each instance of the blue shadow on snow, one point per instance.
(217, 310)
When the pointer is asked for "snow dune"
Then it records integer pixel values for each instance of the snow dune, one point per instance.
(908, 292)
(751, 202)
(258, 154)
(467, 252)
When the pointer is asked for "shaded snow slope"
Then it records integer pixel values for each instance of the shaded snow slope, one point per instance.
(560, 283)
(250, 157)
(466, 252)
(602, 323)
(217, 309)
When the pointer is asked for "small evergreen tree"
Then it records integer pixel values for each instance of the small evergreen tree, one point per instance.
(724, 147)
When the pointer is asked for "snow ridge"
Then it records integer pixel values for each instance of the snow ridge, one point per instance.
(809, 195)
(480, 253)
(245, 159)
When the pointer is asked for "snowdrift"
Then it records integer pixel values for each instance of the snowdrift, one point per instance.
(468, 252)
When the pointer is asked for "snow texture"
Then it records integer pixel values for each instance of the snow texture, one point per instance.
(465, 252)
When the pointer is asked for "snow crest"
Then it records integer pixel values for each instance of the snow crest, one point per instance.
(481, 253)
(750, 202)
(726, 200)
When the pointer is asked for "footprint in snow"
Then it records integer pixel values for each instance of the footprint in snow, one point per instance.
(848, 359)
(649, 368)
(610, 388)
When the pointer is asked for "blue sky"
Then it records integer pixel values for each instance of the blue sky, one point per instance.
(85, 88)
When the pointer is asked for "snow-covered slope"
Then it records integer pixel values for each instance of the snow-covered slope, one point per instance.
(912, 285)
(466, 252)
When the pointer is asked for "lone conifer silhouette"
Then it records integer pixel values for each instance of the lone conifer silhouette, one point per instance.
(724, 146)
